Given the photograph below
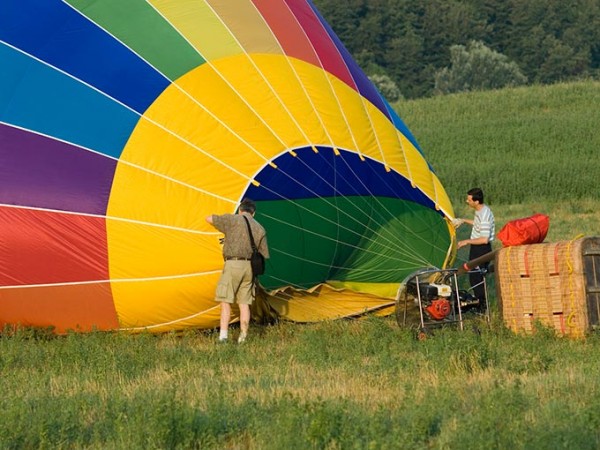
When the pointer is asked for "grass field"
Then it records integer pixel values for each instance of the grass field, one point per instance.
(352, 384)
(534, 145)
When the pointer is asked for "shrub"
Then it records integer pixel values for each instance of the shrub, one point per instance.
(477, 67)
(388, 88)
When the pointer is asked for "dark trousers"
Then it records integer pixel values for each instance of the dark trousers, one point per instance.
(476, 278)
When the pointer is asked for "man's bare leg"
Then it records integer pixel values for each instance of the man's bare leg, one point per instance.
(244, 322)
(225, 318)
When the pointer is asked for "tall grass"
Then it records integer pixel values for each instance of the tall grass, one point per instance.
(351, 383)
(344, 384)
(533, 144)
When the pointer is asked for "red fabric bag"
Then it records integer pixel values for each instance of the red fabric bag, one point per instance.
(529, 230)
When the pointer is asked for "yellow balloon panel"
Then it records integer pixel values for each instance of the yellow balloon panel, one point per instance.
(146, 197)
(142, 251)
(167, 155)
(322, 98)
(183, 116)
(283, 78)
(357, 119)
(162, 305)
(324, 302)
(442, 197)
(420, 174)
(246, 104)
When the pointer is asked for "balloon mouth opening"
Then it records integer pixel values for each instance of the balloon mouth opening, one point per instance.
(334, 215)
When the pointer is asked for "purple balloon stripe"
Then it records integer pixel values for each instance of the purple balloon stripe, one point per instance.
(41, 172)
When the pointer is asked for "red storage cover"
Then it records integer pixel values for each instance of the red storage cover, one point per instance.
(530, 230)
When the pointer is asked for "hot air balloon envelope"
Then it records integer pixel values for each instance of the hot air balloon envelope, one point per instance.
(124, 124)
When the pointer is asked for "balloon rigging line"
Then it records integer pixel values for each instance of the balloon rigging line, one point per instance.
(330, 221)
(328, 238)
(354, 269)
(384, 181)
(113, 280)
(352, 217)
(121, 161)
(335, 207)
(318, 215)
(117, 219)
(391, 215)
(171, 322)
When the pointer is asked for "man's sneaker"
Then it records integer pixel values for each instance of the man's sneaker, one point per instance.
(241, 339)
(222, 341)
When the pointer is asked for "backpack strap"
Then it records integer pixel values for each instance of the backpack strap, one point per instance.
(252, 244)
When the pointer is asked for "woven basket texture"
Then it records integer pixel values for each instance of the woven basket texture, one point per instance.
(545, 283)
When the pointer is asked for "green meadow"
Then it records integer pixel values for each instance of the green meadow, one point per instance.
(353, 384)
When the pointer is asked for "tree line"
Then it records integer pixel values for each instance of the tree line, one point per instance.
(437, 46)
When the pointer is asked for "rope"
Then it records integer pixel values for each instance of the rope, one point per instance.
(513, 303)
(571, 316)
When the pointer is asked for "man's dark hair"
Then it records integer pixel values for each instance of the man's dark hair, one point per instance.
(248, 206)
(476, 194)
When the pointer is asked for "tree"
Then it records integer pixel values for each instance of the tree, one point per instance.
(477, 67)
(549, 40)
(561, 62)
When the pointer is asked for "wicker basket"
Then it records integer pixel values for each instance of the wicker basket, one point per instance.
(557, 284)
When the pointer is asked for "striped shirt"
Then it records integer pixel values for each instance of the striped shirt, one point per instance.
(483, 224)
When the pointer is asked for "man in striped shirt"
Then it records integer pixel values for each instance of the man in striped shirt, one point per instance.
(482, 235)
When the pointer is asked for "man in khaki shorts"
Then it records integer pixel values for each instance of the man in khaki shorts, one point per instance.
(236, 284)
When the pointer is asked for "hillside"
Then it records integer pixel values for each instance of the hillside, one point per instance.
(523, 144)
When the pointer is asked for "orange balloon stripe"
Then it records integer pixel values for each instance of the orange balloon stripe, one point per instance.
(82, 307)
